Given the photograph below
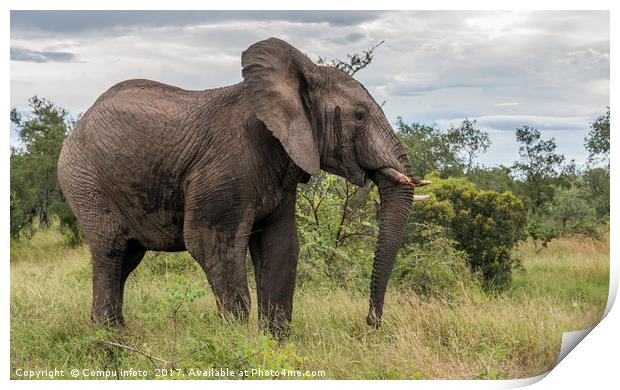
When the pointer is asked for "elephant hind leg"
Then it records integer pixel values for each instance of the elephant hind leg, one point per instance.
(113, 261)
(115, 255)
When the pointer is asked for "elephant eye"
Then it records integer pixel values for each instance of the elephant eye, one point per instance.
(360, 116)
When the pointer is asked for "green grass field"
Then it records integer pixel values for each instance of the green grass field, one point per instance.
(515, 334)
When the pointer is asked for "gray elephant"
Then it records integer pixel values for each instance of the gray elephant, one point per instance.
(154, 167)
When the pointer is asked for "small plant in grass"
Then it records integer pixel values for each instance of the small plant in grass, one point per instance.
(266, 358)
(491, 354)
(180, 293)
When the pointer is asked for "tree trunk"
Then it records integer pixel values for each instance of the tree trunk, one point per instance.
(43, 203)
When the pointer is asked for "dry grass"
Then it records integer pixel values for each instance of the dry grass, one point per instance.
(515, 334)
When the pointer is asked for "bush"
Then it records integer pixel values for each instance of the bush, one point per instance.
(426, 219)
(597, 183)
(572, 213)
(433, 268)
(542, 231)
(485, 224)
(569, 212)
(337, 230)
(21, 218)
(69, 225)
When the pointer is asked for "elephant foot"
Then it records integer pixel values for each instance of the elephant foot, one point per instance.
(282, 333)
(279, 329)
(107, 319)
(237, 309)
(373, 320)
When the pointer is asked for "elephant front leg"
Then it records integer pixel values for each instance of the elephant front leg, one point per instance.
(221, 252)
(274, 248)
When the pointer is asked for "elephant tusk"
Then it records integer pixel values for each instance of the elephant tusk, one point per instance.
(420, 198)
(420, 182)
(399, 178)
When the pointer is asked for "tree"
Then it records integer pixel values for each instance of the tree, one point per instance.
(569, 212)
(429, 149)
(354, 63)
(597, 178)
(34, 182)
(597, 140)
(498, 178)
(470, 140)
(572, 210)
(539, 163)
(335, 225)
(597, 182)
(451, 152)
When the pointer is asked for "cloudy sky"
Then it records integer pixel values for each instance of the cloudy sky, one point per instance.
(547, 69)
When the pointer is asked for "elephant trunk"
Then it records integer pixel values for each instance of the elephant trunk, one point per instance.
(396, 200)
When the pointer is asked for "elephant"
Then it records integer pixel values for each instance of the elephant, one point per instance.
(214, 172)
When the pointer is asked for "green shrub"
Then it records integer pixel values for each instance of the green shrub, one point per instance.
(21, 218)
(337, 230)
(265, 358)
(597, 184)
(425, 219)
(572, 213)
(541, 230)
(569, 212)
(69, 225)
(433, 268)
(485, 224)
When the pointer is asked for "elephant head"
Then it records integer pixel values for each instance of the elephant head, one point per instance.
(327, 120)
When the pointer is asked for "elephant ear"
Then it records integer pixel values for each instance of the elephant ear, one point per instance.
(276, 75)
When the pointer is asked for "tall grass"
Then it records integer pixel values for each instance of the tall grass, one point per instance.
(514, 334)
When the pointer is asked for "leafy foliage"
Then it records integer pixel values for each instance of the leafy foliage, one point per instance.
(336, 224)
(267, 358)
(539, 163)
(451, 152)
(21, 216)
(69, 225)
(485, 224)
(429, 149)
(572, 211)
(497, 178)
(432, 266)
(597, 141)
(42, 135)
(182, 292)
(34, 182)
(470, 141)
(354, 63)
(542, 231)
(596, 182)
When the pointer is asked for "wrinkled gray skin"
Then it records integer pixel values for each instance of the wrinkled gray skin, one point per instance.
(155, 167)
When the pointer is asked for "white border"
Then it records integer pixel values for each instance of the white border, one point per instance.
(593, 362)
